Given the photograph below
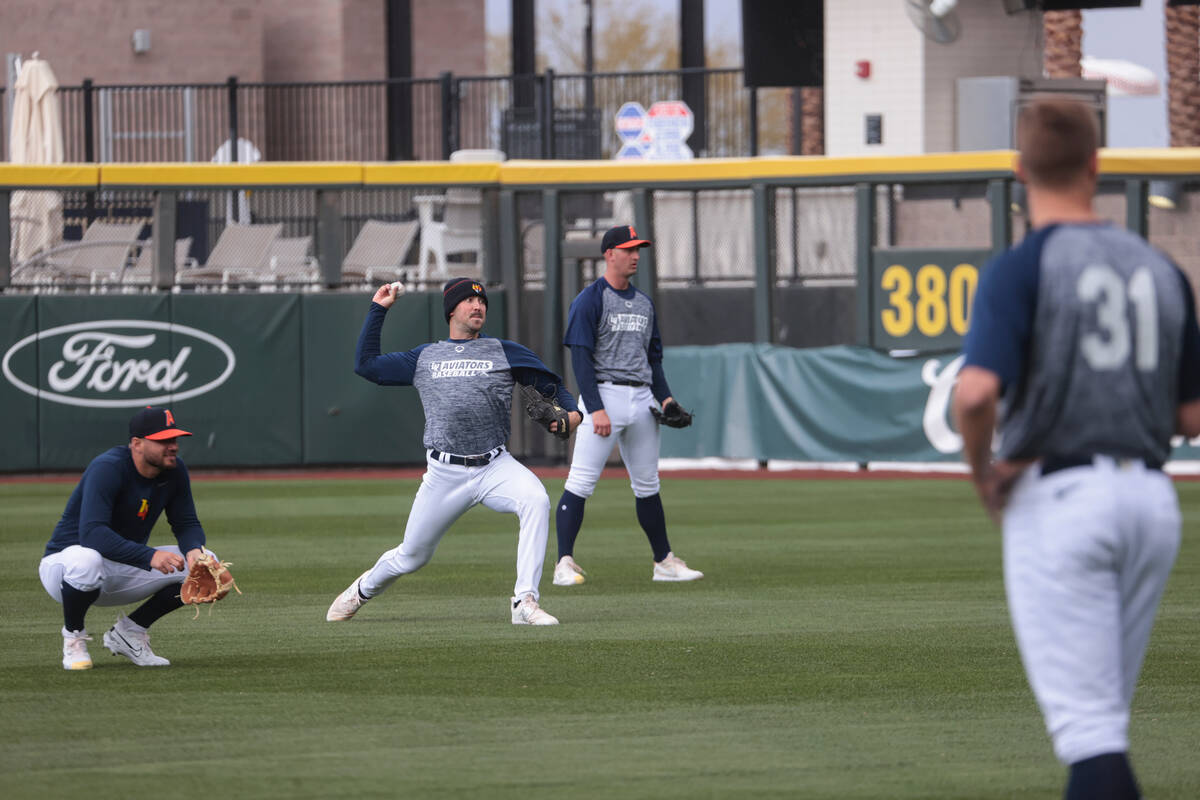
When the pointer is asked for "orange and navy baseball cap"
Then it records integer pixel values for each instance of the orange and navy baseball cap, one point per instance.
(623, 237)
(154, 423)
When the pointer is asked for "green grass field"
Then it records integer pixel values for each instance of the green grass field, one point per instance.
(850, 640)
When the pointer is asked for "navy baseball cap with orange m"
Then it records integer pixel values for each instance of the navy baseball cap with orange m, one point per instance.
(154, 423)
(623, 237)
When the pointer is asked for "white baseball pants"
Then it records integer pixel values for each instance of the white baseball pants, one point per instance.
(634, 431)
(119, 584)
(1087, 553)
(447, 491)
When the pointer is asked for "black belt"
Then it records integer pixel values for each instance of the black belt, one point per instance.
(1051, 464)
(465, 461)
(625, 383)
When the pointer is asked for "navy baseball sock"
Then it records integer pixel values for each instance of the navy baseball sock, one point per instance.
(568, 518)
(164, 601)
(654, 523)
(75, 605)
(1105, 777)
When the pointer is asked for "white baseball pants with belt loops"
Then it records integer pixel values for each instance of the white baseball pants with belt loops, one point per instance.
(635, 432)
(447, 491)
(1087, 553)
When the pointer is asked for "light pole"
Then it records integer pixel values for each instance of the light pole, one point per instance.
(589, 57)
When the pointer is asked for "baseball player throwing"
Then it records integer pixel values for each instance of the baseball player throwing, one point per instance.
(466, 386)
(98, 553)
(1090, 337)
(616, 353)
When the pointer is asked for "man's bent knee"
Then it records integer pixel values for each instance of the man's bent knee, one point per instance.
(83, 568)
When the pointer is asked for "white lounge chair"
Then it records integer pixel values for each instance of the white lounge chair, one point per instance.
(97, 259)
(242, 254)
(378, 252)
(141, 273)
(291, 260)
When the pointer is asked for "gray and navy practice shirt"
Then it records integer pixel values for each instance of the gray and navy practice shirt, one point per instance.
(1093, 335)
(613, 336)
(113, 509)
(465, 384)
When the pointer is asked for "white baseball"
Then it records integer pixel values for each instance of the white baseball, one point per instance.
(397, 288)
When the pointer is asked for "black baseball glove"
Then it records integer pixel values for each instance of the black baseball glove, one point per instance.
(673, 416)
(545, 411)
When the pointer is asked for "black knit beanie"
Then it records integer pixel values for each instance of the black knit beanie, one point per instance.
(458, 289)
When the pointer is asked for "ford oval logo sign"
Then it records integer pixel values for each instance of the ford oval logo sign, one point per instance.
(105, 364)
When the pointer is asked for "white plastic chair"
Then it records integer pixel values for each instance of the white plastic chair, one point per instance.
(461, 227)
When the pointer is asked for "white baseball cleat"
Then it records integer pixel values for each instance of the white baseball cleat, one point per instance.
(526, 612)
(672, 568)
(567, 572)
(347, 604)
(123, 639)
(75, 652)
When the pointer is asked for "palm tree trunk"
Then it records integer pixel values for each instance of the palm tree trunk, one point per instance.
(1064, 44)
(1183, 74)
(812, 120)
(806, 109)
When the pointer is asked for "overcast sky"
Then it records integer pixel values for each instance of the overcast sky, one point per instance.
(1137, 35)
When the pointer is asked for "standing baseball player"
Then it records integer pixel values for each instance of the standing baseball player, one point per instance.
(98, 553)
(1090, 337)
(466, 385)
(616, 353)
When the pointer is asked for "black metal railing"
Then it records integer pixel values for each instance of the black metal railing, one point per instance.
(525, 116)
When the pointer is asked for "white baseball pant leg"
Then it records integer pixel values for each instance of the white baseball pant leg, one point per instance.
(447, 491)
(1087, 553)
(634, 431)
(119, 584)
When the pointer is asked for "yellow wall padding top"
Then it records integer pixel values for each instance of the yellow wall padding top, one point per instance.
(65, 175)
(1178, 161)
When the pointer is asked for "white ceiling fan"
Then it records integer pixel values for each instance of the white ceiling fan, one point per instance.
(935, 18)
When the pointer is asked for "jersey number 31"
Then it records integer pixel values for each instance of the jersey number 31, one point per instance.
(1108, 349)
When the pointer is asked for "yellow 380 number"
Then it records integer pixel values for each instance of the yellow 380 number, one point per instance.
(931, 300)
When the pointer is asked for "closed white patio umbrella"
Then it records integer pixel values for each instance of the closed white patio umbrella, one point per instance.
(36, 137)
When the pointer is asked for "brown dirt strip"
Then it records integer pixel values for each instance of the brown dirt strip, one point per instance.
(414, 473)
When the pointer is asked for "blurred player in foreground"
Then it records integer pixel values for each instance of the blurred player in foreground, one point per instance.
(1090, 337)
(616, 353)
(98, 553)
(466, 387)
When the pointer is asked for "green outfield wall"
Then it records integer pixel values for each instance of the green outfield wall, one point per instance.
(260, 379)
(827, 404)
(267, 380)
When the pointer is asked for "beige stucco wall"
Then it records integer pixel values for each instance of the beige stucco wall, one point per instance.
(912, 81)
(877, 31)
(992, 42)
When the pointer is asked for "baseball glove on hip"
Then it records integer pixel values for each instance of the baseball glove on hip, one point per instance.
(673, 416)
(545, 411)
(207, 581)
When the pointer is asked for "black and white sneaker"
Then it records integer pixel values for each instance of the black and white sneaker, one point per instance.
(125, 639)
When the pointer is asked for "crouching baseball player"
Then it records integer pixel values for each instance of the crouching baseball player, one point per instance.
(98, 553)
(466, 385)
